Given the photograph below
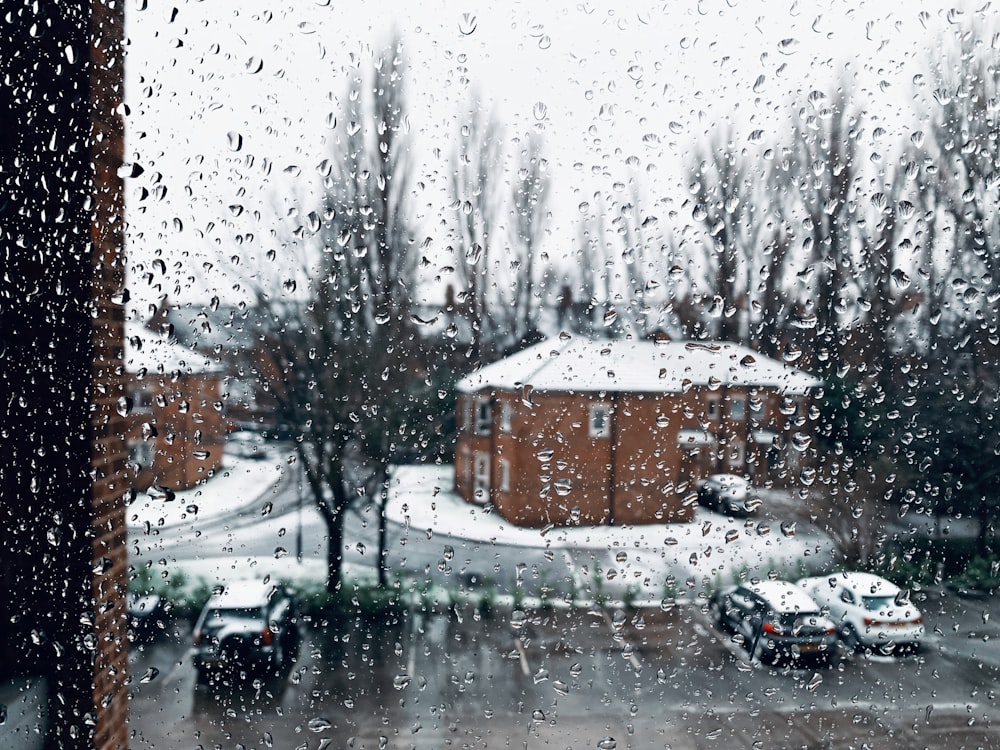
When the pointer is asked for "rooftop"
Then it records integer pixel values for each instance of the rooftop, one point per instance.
(582, 365)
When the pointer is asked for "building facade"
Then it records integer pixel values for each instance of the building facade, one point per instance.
(620, 432)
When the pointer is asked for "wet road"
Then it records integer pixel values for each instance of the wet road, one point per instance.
(575, 678)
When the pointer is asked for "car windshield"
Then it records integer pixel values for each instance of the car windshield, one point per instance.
(875, 603)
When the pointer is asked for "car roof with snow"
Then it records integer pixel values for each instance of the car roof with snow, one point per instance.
(243, 594)
(784, 596)
(865, 584)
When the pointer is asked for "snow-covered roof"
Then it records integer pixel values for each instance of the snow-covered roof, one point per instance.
(149, 352)
(583, 365)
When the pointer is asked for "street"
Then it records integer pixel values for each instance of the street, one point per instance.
(544, 675)
(573, 678)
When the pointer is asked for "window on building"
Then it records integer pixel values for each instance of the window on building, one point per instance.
(504, 480)
(737, 408)
(484, 417)
(600, 421)
(506, 416)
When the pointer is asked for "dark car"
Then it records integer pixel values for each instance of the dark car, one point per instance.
(247, 627)
(775, 621)
(728, 493)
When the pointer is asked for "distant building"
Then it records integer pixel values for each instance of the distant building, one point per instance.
(599, 432)
(175, 407)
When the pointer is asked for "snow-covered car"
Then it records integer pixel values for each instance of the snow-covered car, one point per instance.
(775, 620)
(249, 445)
(728, 493)
(246, 627)
(869, 611)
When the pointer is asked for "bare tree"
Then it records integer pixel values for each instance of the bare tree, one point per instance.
(477, 188)
(529, 204)
(723, 183)
(339, 359)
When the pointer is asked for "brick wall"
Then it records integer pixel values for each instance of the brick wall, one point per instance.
(62, 546)
(110, 580)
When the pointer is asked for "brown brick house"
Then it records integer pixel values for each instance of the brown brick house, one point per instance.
(177, 428)
(618, 432)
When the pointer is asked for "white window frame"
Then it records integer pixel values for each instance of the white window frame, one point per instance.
(483, 416)
(503, 483)
(712, 411)
(602, 430)
(481, 477)
(506, 417)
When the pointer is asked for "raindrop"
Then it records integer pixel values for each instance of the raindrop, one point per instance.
(314, 222)
(540, 111)
(607, 743)
(538, 715)
(560, 687)
(360, 547)
(575, 669)
(280, 552)
(518, 619)
(544, 42)
(675, 127)
(401, 681)
(319, 724)
(545, 454)
(124, 406)
(449, 552)
(541, 675)
(815, 682)
(234, 140)
(467, 24)
(788, 528)
(54, 537)
(563, 487)
(254, 65)
(149, 675)
(732, 535)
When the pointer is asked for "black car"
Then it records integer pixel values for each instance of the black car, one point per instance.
(246, 627)
(775, 620)
(728, 493)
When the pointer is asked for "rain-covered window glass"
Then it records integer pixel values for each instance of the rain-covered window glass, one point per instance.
(572, 374)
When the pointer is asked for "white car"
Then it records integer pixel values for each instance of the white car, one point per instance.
(870, 612)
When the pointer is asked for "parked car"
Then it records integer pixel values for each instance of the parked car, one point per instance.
(246, 627)
(247, 445)
(775, 620)
(869, 611)
(728, 493)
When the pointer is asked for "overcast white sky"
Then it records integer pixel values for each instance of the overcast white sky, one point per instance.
(602, 81)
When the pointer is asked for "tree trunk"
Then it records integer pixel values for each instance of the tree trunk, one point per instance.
(334, 550)
(383, 552)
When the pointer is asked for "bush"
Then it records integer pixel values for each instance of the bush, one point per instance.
(980, 574)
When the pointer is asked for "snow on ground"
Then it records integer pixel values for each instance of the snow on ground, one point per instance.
(712, 546)
(234, 485)
(653, 559)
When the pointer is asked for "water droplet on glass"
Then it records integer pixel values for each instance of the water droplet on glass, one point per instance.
(540, 110)
(280, 552)
(544, 42)
(518, 619)
(254, 65)
(607, 743)
(401, 681)
(319, 724)
(149, 675)
(234, 140)
(467, 24)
